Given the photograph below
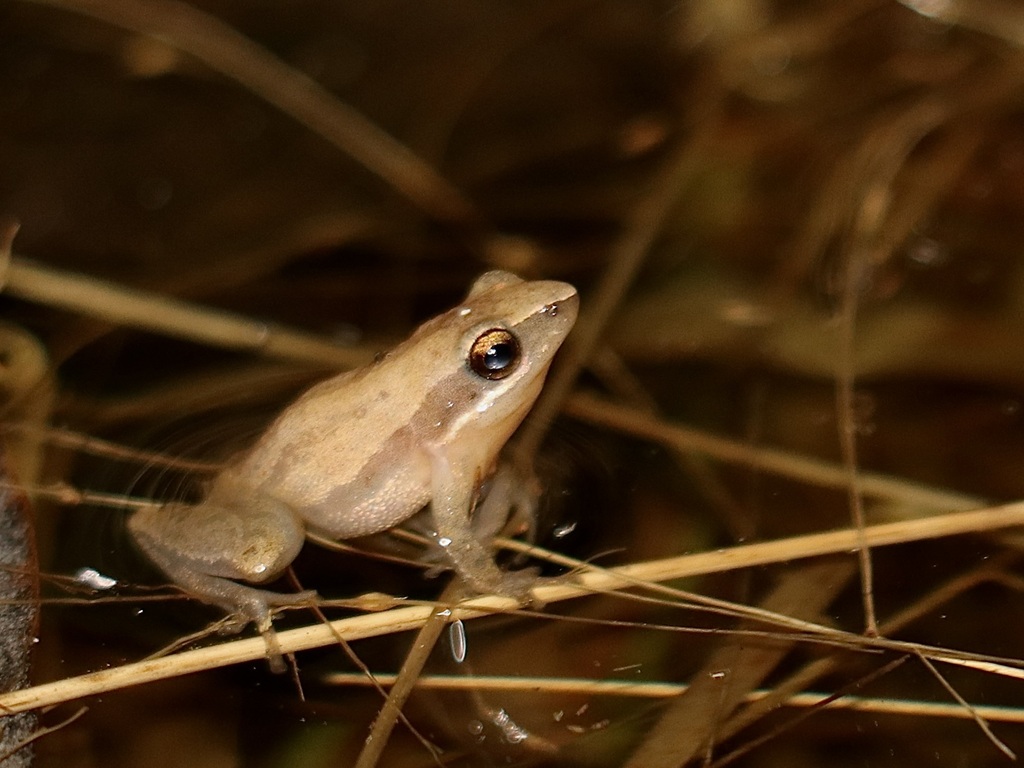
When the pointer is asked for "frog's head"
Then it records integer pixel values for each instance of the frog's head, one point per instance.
(499, 344)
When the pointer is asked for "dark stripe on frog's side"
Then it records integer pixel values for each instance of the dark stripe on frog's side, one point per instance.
(395, 481)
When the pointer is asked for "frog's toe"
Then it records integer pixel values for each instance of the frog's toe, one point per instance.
(291, 599)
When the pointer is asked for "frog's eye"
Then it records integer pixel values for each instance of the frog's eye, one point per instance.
(494, 354)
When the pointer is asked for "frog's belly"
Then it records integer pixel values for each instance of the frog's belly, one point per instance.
(367, 504)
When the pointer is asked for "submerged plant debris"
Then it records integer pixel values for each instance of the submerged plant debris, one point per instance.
(795, 227)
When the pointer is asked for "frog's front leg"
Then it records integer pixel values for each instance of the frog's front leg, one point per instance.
(453, 487)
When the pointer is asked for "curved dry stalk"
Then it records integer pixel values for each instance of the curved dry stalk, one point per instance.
(825, 474)
(594, 581)
(38, 734)
(882, 155)
(626, 258)
(61, 437)
(157, 313)
(231, 53)
(1002, 20)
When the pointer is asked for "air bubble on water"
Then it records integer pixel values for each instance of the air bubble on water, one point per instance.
(564, 530)
(457, 640)
(926, 252)
(93, 579)
(512, 732)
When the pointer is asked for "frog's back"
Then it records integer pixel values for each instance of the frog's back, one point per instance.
(331, 456)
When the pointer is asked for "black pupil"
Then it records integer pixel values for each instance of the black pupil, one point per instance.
(499, 356)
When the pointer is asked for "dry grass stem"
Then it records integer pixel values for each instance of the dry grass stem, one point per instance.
(967, 707)
(413, 617)
(653, 690)
(420, 650)
(783, 219)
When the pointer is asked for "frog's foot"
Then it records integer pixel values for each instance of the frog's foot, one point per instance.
(243, 603)
(517, 585)
(483, 576)
(248, 605)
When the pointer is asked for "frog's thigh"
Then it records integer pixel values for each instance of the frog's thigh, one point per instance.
(200, 548)
(250, 538)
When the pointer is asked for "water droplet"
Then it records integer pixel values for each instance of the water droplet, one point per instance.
(457, 640)
(444, 541)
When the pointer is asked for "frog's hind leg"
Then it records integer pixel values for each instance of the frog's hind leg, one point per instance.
(510, 503)
(245, 604)
(202, 548)
(248, 604)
